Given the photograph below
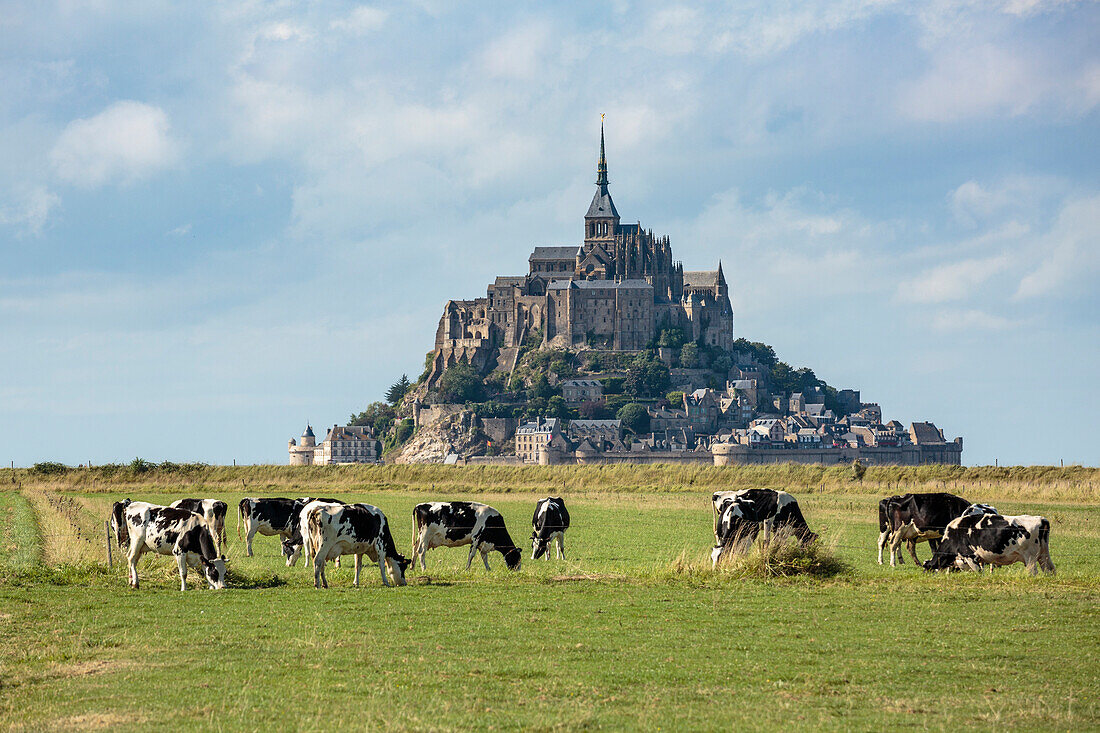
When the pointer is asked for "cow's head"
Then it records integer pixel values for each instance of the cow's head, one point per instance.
(539, 546)
(512, 557)
(715, 555)
(398, 565)
(941, 561)
(214, 570)
(292, 550)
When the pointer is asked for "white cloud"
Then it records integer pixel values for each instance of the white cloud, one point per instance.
(953, 281)
(1069, 254)
(125, 142)
(518, 53)
(29, 209)
(362, 19)
(970, 320)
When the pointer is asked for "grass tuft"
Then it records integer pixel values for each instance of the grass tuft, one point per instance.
(783, 557)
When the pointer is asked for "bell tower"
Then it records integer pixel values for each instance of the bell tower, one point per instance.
(601, 223)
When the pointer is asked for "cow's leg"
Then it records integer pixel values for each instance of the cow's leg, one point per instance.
(136, 547)
(181, 561)
(882, 538)
(382, 567)
(895, 548)
(473, 551)
(358, 566)
(1044, 560)
(912, 546)
(249, 534)
(561, 546)
(420, 550)
(319, 571)
(485, 558)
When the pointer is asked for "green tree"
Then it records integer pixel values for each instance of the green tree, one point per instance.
(858, 470)
(404, 430)
(675, 399)
(555, 407)
(672, 338)
(398, 389)
(635, 418)
(378, 415)
(459, 384)
(689, 355)
(540, 387)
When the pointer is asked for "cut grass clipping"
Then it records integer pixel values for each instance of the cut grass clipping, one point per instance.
(783, 556)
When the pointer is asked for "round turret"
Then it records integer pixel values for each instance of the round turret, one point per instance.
(309, 440)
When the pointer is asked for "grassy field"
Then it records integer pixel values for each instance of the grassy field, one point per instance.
(632, 630)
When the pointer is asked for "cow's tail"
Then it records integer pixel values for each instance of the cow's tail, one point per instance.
(244, 510)
(118, 517)
(1044, 546)
(313, 527)
(416, 531)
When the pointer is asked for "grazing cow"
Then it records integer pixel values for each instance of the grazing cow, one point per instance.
(550, 522)
(974, 540)
(298, 541)
(272, 516)
(913, 518)
(743, 513)
(457, 523)
(212, 510)
(167, 531)
(352, 529)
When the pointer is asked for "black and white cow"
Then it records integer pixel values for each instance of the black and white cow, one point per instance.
(975, 540)
(272, 516)
(212, 510)
(457, 523)
(142, 527)
(550, 521)
(913, 518)
(742, 514)
(352, 529)
(298, 541)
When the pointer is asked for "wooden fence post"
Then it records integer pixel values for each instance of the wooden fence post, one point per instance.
(110, 555)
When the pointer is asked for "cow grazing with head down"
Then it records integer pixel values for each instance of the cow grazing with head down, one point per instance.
(457, 523)
(550, 521)
(142, 527)
(742, 514)
(352, 529)
(212, 510)
(913, 518)
(975, 540)
(298, 540)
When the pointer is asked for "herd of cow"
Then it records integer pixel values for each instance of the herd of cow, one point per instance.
(962, 535)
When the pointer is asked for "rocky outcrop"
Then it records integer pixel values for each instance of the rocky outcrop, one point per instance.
(458, 433)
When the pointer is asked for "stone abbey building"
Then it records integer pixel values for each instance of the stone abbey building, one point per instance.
(616, 290)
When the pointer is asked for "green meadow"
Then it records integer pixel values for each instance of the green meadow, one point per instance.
(633, 630)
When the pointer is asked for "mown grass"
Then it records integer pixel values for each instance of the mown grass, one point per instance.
(631, 631)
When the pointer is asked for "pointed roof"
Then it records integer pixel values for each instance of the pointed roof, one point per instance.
(602, 206)
(309, 432)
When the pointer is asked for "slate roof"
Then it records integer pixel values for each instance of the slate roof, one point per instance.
(602, 205)
(599, 285)
(925, 433)
(701, 278)
(554, 253)
(509, 280)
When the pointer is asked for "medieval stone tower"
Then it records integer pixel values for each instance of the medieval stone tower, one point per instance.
(614, 291)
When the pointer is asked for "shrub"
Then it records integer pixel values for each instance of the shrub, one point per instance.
(404, 430)
(49, 468)
(140, 465)
(783, 557)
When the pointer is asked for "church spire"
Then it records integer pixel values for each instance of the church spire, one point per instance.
(601, 167)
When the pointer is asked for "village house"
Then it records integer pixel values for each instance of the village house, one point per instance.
(532, 436)
(578, 391)
(701, 407)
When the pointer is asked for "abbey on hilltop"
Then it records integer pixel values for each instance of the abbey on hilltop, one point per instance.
(616, 290)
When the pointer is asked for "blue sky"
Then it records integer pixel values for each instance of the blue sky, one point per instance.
(219, 221)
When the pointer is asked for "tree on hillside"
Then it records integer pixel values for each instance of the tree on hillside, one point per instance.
(378, 415)
(646, 377)
(689, 355)
(398, 389)
(460, 384)
(555, 407)
(635, 418)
